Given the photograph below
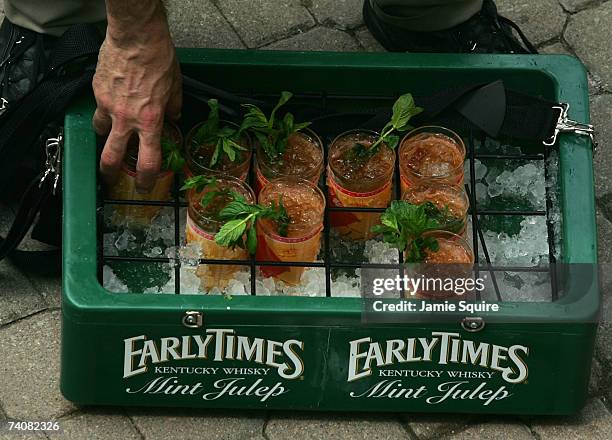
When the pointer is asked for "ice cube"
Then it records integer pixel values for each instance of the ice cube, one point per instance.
(495, 190)
(215, 291)
(380, 252)
(154, 252)
(109, 244)
(124, 239)
(480, 169)
(345, 286)
(481, 193)
(111, 282)
(235, 287)
(190, 254)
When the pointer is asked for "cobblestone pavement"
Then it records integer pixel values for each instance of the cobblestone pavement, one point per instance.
(29, 315)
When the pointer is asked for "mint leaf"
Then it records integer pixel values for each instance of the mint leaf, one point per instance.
(236, 209)
(223, 138)
(230, 234)
(284, 98)
(251, 240)
(272, 133)
(208, 129)
(172, 157)
(198, 183)
(241, 217)
(402, 226)
(403, 110)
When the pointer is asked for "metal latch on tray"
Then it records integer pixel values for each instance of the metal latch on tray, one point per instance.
(567, 125)
(193, 319)
(472, 324)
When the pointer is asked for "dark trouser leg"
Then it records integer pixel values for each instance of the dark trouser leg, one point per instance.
(425, 15)
(53, 17)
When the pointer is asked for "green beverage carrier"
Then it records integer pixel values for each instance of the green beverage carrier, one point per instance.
(308, 353)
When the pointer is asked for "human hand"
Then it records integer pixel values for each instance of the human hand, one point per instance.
(137, 83)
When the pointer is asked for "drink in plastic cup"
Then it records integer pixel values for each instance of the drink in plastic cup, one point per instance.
(305, 205)
(197, 157)
(431, 154)
(358, 183)
(125, 187)
(303, 159)
(451, 200)
(202, 225)
(453, 261)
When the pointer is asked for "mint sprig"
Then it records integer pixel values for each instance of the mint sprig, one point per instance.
(198, 183)
(271, 132)
(241, 217)
(404, 109)
(224, 138)
(403, 225)
(172, 157)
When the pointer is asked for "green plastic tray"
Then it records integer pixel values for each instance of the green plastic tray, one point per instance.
(316, 335)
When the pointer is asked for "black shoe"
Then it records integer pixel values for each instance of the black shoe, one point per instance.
(23, 62)
(485, 32)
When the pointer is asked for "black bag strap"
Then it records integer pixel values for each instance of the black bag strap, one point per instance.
(491, 107)
(22, 128)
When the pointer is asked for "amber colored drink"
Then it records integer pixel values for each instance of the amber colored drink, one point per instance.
(203, 223)
(453, 260)
(303, 158)
(451, 201)
(305, 205)
(431, 154)
(197, 157)
(358, 183)
(125, 187)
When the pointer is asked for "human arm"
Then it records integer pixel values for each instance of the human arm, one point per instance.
(137, 83)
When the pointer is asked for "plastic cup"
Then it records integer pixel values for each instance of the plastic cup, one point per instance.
(358, 184)
(197, 157)
(125, 187)
(303, 159)
(431, 154)
(452, 263)
(452, 200)
(202, 225)
(305, 205)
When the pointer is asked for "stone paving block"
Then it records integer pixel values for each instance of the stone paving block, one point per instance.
(346, 14)
(261, 21)
(554, 49)
(576, 5)
(333, 427)
(588, 34)
(14, 435)
(49, 287)
(30, 350)
(18, 298)
(494, 431)
(601, 117)
(98, 425)
(540, 20)
(594, 422)
(198, 23)
(319, 38)
(188, 424)
(595, 382)
(368, 42)
(436, 426)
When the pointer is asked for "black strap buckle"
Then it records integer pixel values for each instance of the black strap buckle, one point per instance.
(567, 125)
